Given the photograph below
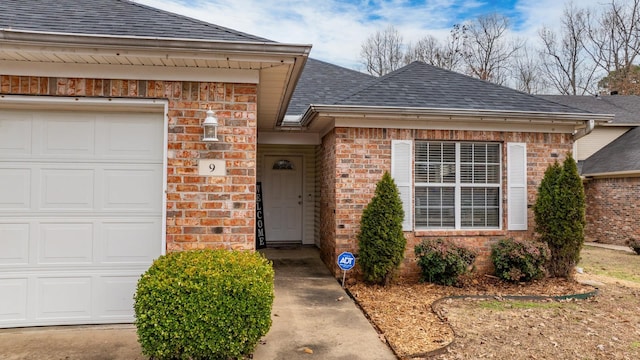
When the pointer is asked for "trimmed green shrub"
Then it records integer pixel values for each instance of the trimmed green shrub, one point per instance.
(442, 262)
(520, 260)
(560, 216)
(634, 244)
(381, 241)
(204, 304)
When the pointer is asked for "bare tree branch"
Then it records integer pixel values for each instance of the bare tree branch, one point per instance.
(563, 54)
(614, 44)
(381, 53)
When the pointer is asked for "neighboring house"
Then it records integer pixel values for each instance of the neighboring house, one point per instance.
(610, 165)
(104, 166)
(612, 189)
(625, 109)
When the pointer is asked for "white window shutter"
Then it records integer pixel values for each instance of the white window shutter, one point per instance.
(517, 186)
(401, 161)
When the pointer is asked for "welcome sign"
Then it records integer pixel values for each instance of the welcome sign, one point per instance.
(261, 238)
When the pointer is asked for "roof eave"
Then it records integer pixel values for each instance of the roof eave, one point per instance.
(612, 174)
(164, 45)
(452, 113)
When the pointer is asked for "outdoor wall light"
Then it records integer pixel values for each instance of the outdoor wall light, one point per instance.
(210, 126)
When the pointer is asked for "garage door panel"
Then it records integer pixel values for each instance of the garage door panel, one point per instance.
(13, 300)
(124, 137)
(14, 242)
(67, 188)
(131, 241)
(114, 299)
(16, 188)
(15, 134)
(67, 243)
(73, 138)
(80, 213)
(64, 297)
(133, 189)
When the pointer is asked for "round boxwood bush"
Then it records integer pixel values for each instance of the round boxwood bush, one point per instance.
(204, 304)
(520, 260)
(442, 261)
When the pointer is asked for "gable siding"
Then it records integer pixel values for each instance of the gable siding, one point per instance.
(599, 138)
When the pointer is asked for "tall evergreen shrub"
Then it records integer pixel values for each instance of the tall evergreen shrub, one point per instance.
(380, 239)
(560, 216)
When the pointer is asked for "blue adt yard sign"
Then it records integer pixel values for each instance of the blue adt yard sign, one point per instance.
(346, 261)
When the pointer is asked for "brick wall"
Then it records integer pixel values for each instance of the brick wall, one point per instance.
(613, 210)
(202, 212)
(326, 160)
(362, 156)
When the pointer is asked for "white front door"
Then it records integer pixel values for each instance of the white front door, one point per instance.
(282, 194)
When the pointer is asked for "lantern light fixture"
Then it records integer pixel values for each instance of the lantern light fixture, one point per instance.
(210, 126)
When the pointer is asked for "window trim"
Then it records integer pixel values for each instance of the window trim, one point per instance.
(458, 185)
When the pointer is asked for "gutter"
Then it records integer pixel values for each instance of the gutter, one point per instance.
(591, 124)
(479, 114)
(95, 42)
(612, 174)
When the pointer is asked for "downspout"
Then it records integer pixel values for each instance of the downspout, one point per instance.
(585, 131)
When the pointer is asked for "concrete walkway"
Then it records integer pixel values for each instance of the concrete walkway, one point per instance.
(308, 322)
(312, 315)
(610, 246)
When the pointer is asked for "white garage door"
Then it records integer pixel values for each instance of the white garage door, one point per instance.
(80, 213)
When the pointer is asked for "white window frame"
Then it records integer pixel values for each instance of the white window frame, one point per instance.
(458, 185)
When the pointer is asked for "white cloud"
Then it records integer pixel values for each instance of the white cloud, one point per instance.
(336, 28)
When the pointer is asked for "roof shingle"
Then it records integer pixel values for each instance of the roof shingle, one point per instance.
(112, 18)
(626, 108)
(324, 83)
(419, 85)
(621, 155)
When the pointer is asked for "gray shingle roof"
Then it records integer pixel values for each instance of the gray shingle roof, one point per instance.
(622, 154)
(110, 17)
(419, 85)
(324, 83)
(625, 108)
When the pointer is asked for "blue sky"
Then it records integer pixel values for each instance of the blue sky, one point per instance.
(337, 28)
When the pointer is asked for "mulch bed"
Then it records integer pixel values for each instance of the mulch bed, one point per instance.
(405, 319)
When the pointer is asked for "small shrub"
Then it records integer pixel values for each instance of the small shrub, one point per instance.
(442, 262)
(205, 304)
(381, 241)
(634, 244)
(559, 213)
(520, 260)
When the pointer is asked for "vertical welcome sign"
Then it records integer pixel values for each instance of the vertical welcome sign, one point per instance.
(261, 239)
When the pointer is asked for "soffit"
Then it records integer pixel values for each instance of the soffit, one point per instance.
(279, 65)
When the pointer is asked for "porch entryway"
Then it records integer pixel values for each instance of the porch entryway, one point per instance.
(283, 200)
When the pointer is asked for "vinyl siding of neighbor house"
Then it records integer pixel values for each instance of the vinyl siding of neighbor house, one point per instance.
(310, 217)
(359, 156)
(599, 138)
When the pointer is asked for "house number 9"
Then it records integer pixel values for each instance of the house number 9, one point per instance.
(212, 167)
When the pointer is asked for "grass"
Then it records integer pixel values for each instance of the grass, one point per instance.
(509, 305)
(612, 263)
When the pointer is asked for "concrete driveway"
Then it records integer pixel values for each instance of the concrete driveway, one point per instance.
(308, 322)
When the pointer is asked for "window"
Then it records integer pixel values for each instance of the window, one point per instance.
(457, 185)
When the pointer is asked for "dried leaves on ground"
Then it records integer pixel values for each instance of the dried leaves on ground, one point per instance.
(418, 323)
(403, 312)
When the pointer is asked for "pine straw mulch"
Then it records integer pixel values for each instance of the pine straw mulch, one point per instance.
(403, 314)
